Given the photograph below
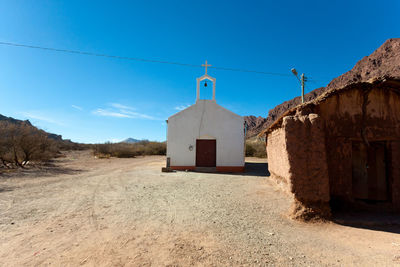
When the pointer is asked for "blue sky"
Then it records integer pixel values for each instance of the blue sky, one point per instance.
(95, 99)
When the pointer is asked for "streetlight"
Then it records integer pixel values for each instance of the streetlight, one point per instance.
(302, 81)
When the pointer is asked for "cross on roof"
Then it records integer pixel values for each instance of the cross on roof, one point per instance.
(205, 65)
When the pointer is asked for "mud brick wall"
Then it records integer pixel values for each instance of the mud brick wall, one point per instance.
(339, 154)
(395, 173)
(278, 162)
(305, 142)
(297, 156)
(364, 114)
(311, 150)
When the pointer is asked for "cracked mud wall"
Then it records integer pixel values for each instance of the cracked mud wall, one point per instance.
(278, 163)
(395, 173)
(361, 115)
(298, 160)
(310, 153)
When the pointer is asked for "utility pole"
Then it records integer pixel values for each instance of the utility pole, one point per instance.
(302, 81)
(302, 88)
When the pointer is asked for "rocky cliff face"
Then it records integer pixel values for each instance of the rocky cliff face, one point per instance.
(55, 137)
(383, 62)
(254, 125)
(14, 121)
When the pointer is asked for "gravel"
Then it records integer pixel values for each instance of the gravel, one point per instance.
(127, 212)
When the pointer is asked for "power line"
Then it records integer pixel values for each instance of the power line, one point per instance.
(95, 54)
(138, 59)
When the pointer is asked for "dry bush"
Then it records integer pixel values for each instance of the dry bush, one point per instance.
(103, 149)
(255, 148)
(126, 150)
(150, 148)
(122, 150)
(68, 145)
(22, 143)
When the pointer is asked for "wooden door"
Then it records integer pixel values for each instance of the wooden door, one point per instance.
(206, 153)
(370, 181)
(377, 178)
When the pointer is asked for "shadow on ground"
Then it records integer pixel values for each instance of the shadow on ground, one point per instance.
(377, 221)
(256, 169)
(251, 169)
(6, 189)
(41, 170)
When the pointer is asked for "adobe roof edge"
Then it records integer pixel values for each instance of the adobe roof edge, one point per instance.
(391, 81)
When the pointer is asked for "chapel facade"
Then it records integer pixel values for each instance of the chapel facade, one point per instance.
(206, 136)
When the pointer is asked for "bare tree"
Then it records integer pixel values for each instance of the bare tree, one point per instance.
(22, 143)
(5, 145)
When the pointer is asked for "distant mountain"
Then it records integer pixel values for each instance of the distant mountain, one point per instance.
(383, 62)
(132, 140)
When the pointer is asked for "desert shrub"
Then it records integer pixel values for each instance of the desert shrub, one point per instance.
(250, 150)
(255, 148)
(151, 148)
(23, 143)
(68, 145)
(126, 150)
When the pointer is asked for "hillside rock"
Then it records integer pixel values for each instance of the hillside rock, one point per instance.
(55, 137)
(383, 62)
(254, 125)
(14, 121)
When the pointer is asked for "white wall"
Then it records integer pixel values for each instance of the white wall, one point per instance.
(205, 120)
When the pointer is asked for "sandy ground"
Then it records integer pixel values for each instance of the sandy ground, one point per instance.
(112, 212)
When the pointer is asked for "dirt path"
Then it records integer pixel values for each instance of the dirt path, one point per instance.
(126, 212)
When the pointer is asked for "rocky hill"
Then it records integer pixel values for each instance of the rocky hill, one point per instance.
(14, 121)
(55, 137)
(254, 125)
(383, 62)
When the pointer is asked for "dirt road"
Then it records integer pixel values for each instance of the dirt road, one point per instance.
(112, 212)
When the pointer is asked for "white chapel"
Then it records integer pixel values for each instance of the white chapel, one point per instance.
(206, 136)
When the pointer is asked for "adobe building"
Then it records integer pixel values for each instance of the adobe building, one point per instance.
(206, 136)
(340, 151)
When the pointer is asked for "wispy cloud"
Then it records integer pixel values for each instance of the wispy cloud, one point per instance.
(181, 107)
(36, 116)
(120, 106)
(136, 115)
(122, 113)
(108, 113)
(77, 107)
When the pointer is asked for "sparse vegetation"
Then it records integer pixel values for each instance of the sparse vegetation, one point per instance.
(255, 148)
(21, 144)
(126, 150)
(68, 145)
